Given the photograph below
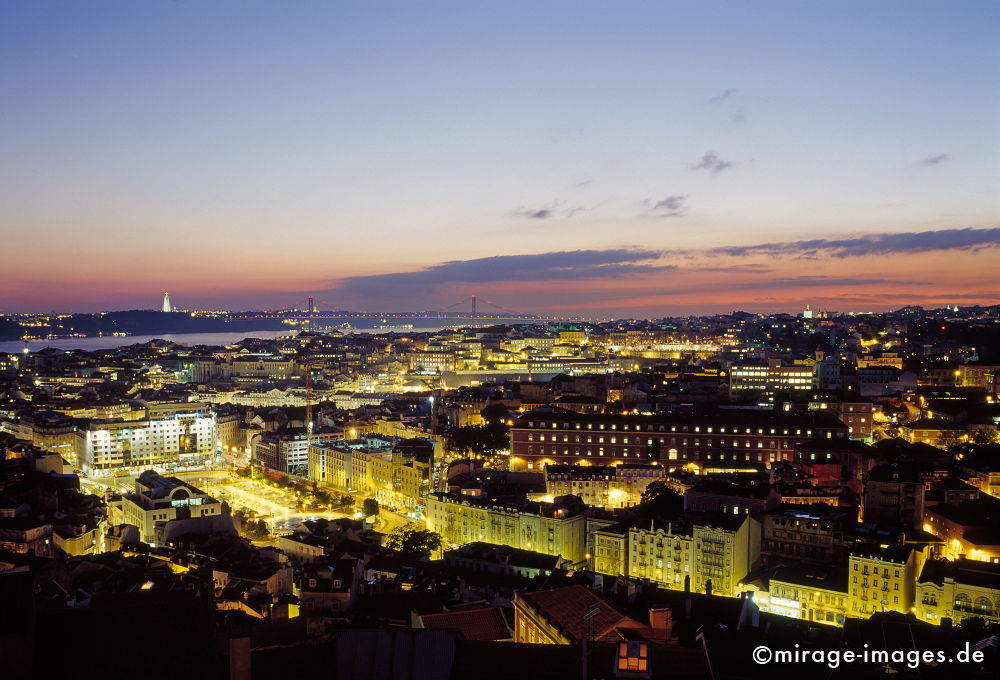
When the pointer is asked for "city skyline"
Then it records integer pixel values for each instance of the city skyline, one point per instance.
(556, 158)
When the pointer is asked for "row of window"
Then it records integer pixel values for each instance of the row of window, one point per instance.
(663, 428)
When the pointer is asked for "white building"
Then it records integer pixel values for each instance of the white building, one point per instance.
(181, 437)
(162, 499)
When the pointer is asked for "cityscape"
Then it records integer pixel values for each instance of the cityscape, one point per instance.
(554, 341)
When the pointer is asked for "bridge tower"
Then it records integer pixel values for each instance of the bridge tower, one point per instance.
(473, 310)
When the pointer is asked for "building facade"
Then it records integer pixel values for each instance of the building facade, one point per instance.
(958, 590)
(107, 446)
(160, 499)
(556, 528)
(616, 486)
(882, 579)
(723, 438)
(706, 552)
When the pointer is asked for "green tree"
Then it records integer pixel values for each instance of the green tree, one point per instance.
(412, 540)
(370, 507)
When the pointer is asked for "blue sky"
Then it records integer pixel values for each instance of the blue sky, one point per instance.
(241, 153)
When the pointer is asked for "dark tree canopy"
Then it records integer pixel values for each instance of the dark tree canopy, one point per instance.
(412, 540)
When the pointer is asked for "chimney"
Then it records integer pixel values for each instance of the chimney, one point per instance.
(661, 621)
(239, 658)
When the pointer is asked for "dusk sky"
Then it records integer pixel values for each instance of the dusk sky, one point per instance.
(583, 158)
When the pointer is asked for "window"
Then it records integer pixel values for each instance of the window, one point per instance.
(633, 656)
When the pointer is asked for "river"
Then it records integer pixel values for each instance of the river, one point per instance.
(110, 341)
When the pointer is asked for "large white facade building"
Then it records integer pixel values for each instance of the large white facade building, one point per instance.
(161, 499)
(183, 436)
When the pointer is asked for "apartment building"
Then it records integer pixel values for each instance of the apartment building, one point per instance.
(556, 528)
(616, 486)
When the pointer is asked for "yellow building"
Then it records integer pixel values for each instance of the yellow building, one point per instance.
(556, 528)
(390, 479)
(966, 529)
(662, 554)
(883, 579)
(810, 593)
(958, 590)
(714, 550)
(617, 486)
(366, 473)
(572, 338)
(608, 547)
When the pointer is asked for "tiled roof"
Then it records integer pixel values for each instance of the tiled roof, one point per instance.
(484, 623)
(565, 609)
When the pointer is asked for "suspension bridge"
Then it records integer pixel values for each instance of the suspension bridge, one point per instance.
(470, 310)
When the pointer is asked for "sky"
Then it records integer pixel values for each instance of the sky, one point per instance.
(595, 159)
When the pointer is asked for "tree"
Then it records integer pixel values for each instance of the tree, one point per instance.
(495, 413)
(412, 540)
(370, 507)
(659, 500)
(984, 436)
(480, 440)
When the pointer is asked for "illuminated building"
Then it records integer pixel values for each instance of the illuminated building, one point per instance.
(53, 432)
(811, 593)
(556, 528)
(26, 536)
(969, 529)
(711, 552)
(362, 471)
(572, 337)
(935, 431)
(753, 380)
(257, 369)
(159, 499)
(183, 437)
(616, 486)
(430, 362)
(959, 590)
(975, 375)
(882, 579)
(167, 307)
(288, 452)
(723, 439)
(608, 545)
(856, 415)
